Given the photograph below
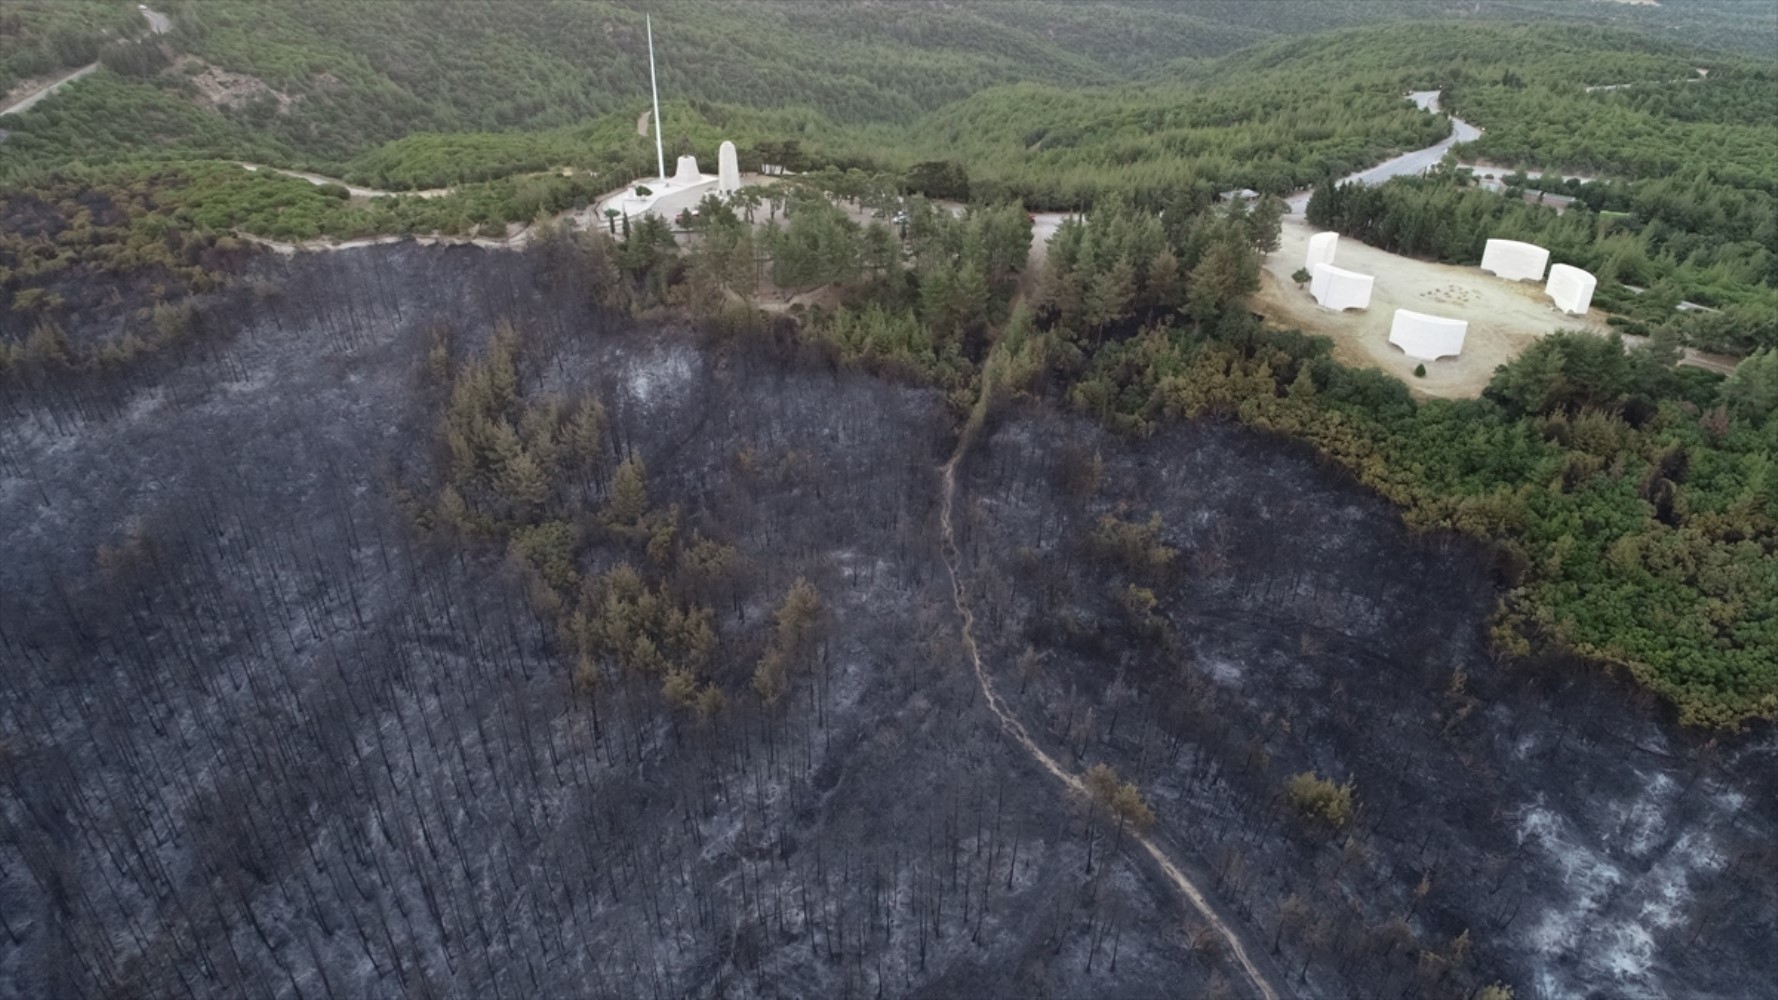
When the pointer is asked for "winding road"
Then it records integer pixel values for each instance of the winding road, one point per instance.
(1417, 162)
(158, 24)
(1010, 724)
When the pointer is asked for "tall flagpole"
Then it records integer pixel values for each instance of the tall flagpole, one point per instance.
(660, 156)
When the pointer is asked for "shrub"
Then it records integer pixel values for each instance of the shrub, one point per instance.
(1321, 800)
(1134, 545)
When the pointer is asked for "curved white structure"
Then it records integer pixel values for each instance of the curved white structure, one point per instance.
(1336, 288)
(687, 171)
(1571, 288)
(1427, 338)
(1321, 250)
(1515, 261)
(728, 168)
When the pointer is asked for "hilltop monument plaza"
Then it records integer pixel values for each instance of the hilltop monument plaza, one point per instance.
(668, 197)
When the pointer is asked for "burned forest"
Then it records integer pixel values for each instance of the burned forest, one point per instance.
(422, 626)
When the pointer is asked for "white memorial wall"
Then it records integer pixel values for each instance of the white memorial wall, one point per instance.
(1336, 288)
(1427, 338)
(1515, 261)
(1322, 247)
(1571, 288)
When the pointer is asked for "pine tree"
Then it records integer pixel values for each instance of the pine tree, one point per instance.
(628, 499)
(585, 446)
(525, 484)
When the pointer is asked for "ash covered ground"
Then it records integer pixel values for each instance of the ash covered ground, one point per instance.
(261, 734)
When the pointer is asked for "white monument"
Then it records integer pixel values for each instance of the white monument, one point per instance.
(654, 91)
(1337, 288)
(1427, 338)
(1321, 250)
(728, 168)
(1515, 261)
(669, 197)
(1571, 288)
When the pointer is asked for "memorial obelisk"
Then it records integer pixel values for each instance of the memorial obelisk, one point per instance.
(660, 155)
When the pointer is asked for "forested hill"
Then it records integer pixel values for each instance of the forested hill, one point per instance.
(1059, 105)
(320, 81)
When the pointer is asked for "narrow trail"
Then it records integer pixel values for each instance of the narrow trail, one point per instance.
(517, 241)
(353, 189)
(1016, 729)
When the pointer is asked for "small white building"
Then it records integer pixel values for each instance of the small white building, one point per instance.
(1515, 261)
(1337, 288)
(1571, 288)
(1427, 338)
(1322, 247)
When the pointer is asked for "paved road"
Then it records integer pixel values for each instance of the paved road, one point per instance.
(1416, 162)
(158, 24)
(30, 100)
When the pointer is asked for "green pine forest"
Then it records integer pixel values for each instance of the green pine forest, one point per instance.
(1632, 504)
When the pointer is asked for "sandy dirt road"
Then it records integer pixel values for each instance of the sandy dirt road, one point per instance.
(353, 189)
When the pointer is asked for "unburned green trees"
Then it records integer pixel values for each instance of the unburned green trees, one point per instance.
(627, 500)
(795, 634)
(1320, 799)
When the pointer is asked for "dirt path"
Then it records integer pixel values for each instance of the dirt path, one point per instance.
(1016, 729)
(353, 189)
(642, 122)
(1721, 364)
(158, 24)
(513, 241)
